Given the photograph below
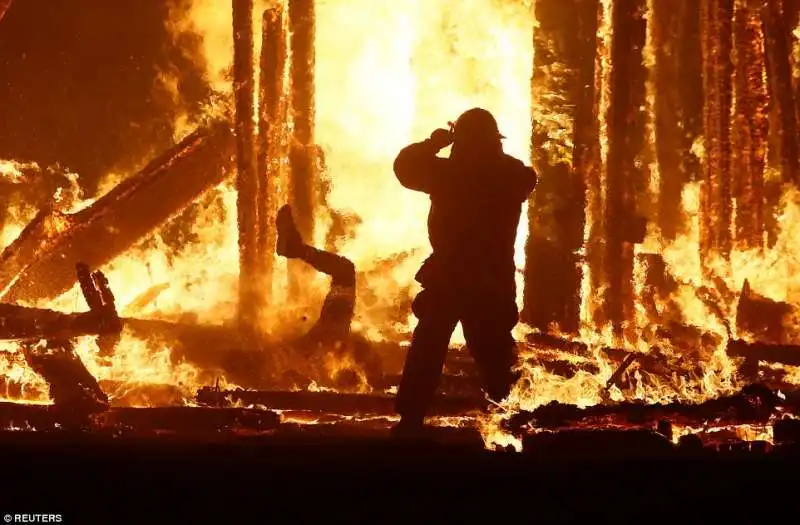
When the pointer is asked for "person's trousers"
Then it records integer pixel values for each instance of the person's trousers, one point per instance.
(487, 320)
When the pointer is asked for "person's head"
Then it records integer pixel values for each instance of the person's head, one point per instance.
(476, 133)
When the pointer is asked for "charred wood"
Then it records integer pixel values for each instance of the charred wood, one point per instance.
(608, 443)
(549, 341)
(450, 385)
(272, 136)
(778, 48)
(678, 101)
(132, 393)
(328, 402)
(302, 21)
(715, 222)
(41, 262)
(188, 420)
(626, 178)
(754, 404)
(761, 317)
(773, 353)
(246, 175)
(750, 125)
(18, 323)
(562, 93)
(71, 384)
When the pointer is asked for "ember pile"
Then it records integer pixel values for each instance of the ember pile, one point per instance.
(657, 267)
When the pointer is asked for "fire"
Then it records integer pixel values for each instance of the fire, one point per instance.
(387, 74)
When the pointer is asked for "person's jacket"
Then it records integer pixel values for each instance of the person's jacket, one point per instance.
(474, 215)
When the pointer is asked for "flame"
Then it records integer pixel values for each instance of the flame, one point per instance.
(387, 74)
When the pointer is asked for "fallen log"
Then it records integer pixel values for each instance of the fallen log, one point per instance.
(754, 404)
(450, 385)
(188, 420)
(135, 394)
(594, 443)
(18, 323)
(329, 402)
(39, 265)
(783, 354)
(538, 339)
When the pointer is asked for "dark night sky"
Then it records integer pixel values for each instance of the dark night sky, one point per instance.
(79, 83)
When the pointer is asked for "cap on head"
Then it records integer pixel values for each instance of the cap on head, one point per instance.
(476, 123)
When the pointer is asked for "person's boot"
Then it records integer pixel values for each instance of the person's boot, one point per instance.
(410, 428)
(289, 241)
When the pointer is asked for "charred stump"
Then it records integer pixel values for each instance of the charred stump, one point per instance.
(565, 41)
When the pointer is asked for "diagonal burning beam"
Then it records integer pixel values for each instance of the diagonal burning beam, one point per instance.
(40, 263)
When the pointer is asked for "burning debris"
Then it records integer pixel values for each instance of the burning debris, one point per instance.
(656, 267)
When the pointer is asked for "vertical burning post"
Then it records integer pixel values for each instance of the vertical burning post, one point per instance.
(715, 208)
(750, 126)
(678, 101)
(627, 176)
(778, 48)
(246, 178)
(563, 127)
(303, 177)
(271, 139)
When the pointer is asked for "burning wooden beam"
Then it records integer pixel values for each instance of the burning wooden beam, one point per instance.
(715, 222)
(18, 323)
(71, 384)
(626, 178)
(754, 404)
(750, 126)
(271, 140)
(247, 177)
(330, 402)
(778, 51)
(303, 186)
(562, 95)
(40, 263)
(678, 101)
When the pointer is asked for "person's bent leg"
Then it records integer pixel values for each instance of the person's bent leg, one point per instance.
(291, 245)
(426, 356)
(488, 323)
(341, 269)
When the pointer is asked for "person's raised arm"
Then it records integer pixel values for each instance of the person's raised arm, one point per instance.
(417, 165)
(522, 179)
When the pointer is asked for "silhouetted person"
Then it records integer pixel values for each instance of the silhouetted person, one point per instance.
(334, 320)
(330, 333)
(476, 202)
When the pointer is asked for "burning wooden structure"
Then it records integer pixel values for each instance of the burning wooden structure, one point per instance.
(616, 144)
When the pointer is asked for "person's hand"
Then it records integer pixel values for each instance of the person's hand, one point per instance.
(441, 138)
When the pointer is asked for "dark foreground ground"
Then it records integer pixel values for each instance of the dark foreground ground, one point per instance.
(308, 476)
